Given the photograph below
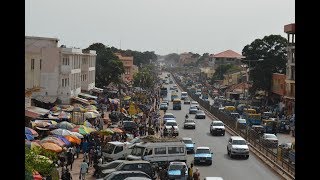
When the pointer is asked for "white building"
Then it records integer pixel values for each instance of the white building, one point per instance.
(59, 69)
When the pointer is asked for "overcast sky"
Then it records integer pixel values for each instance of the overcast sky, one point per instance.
(163, 26)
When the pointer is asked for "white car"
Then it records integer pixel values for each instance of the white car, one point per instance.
(217, 127)
(168, 128)
(237, 146)
(269, 140)
(189, 124)
(194, 103)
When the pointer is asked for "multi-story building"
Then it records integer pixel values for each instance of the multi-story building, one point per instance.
(60, 69)
(278, 85)
(88, 70)
(290, 71)
(128, 65)
(226, 57)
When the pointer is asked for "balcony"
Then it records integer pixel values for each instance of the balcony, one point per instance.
(65, 69)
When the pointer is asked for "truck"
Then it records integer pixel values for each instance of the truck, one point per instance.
(159, 151)
(163, 91)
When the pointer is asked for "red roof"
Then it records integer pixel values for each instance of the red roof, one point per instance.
(228, 54)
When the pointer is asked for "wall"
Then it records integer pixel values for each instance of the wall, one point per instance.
(278, 85)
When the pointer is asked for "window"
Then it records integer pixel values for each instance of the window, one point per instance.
(161, 150)
(292, 72)
(293, 56)
(40, 63)
(118, 149)
(173, 150)
(127, 167)
(32, 64)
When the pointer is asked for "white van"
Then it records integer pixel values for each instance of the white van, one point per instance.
(184, 95)
(115, 150)
(159, 151)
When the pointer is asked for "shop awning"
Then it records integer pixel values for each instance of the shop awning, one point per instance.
(46, 99)
(34, 112)
(88, 96)
(81, 100)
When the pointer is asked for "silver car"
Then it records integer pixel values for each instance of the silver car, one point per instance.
(189, 124)
(200, 114)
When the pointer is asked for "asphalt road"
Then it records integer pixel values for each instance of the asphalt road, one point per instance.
(222, 166)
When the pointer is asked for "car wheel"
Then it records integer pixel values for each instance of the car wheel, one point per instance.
(247, 157)
(210, 163)
(223, 134)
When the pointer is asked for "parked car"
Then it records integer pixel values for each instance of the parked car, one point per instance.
(139, 165)
(163, 106)
(189, 144)
(189, 124)
(269, 140)
(203, 155)
(237, 146)
(241, 123)
(116, 175)
(217, 127)
(193, 109)
(110, 165)
(168, 116)
(235, 115)
(200, 114)
(177, 170)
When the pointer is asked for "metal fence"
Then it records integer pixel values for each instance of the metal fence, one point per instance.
(276, 155)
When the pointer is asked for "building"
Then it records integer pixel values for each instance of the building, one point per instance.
(278, 85)
(226, 57)
(59, 69)
(289, 97)
(128, 67)
(207, 71)
(187, 58)
(234, 77)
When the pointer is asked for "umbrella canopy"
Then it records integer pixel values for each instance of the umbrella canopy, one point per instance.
(64, 115)
(54, 140)
(66, 107)
(73, 139)
(30, 131)
(41, 123)
(65, 125)
(79, 109)
(78, 135)
(51, 146)
(126, 98)
(33, 144)
(55, 109)
(117, 130)
(36, 175)
(106, 132)
(94, 111)
(79, 130)
(77, 105)
(87, 124)
(90, 115)
(28, 137)
(61, 132)
(92, 102)
(62, 138)
(114, 101)
(91, 107)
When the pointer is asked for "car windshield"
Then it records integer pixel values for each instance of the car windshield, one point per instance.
(188, 141)
(109, 148)
(217, 124)
(203, 151)
(271, 136)
(242, 121)
(189, 121)
(137, 151)
(168, 116)
(239, 142)
(200, 112)
(176, 167)
(193, 107)
(171, 124)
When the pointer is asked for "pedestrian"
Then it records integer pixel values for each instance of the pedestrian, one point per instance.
(66, 175)
(190, 172)
(196, 175)
(77, 150)
(69, 159)
(83, 170)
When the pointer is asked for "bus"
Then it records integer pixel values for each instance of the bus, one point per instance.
(174, 95)
(177, 104)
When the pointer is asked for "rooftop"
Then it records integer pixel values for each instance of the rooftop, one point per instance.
(203, 147)
(151, 138)
(41, 38)
(228, 54)
(290, 28)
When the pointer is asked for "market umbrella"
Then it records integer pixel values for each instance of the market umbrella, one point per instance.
(33, 144)
(114, 101)
(61, 132)
(55, 109)
(91, 107)
(73, 139)
(51, 147)
(54, 140)
(65, 125)
(106, 132)
(30, 131)
(90, 115)
(92, 102)
(95, 111)
(117, 130)
(87, 124)
(28, 137)
(62, 138)
(64, 115)
(66, 107)
(79, 130)
(77, 135)
(126, 98)
(79, 109)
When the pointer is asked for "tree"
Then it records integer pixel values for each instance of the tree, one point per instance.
(202, 58)
(272, 49)
(220, 71)
(173, 58)
(108, 66)
(145, 77)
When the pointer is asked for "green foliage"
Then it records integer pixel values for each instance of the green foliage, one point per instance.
(108, 66)
(272, 49)
(34, 163)
(220, 71)
(173, 57)
(140, 58)
(145, 77)
(202, 58)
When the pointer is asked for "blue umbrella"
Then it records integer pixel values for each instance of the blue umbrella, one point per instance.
(29, 137)
(62, 138)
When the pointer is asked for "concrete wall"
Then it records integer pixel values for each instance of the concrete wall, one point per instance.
(278, 85)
